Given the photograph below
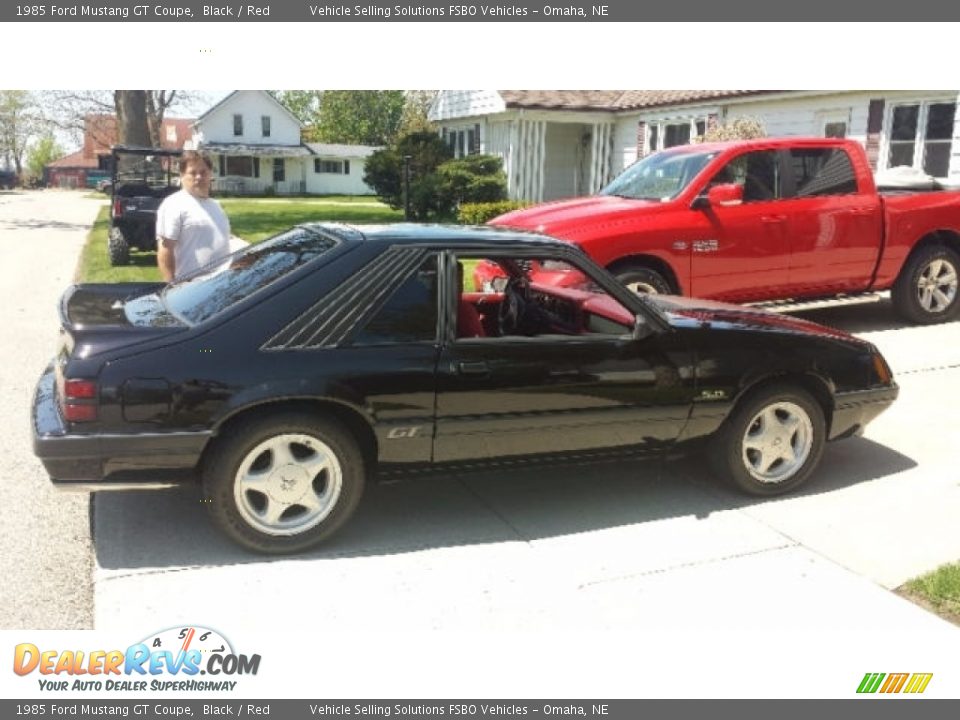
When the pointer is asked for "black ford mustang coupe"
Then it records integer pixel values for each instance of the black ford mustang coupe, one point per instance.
(284, 376)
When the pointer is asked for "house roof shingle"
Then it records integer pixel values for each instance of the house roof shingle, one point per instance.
(74, 160)
(613, 99)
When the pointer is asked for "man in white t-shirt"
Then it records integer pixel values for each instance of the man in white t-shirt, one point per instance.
(192, 229)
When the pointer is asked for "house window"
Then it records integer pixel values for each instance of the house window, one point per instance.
(279, 170)
(265, 125)
(921, 136)
(331, 167)
(462, 142)
(171, 133)
(669, 134)
(242, 166)
(237, 125)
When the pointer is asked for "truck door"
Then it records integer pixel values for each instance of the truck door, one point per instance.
(743, 252)
(834, 228)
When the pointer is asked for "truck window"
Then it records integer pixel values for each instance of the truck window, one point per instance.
(822, 171)
(757, 172)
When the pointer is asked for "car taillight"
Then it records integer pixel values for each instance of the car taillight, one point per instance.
(80, 400)
(117, 208)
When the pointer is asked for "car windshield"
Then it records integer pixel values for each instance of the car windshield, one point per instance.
(214, 288)
(661, 176)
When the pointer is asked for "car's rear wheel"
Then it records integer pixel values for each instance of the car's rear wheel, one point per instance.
(283, 483)
(772, 442)
(118, 249)
(643, 280)
(926, 290)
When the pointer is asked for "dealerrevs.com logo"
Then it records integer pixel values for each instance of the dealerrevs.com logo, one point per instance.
(172, 659)
(910, 683)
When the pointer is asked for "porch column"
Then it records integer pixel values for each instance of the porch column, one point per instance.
(600, 150)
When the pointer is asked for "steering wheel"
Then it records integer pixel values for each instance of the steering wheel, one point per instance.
(512, 307)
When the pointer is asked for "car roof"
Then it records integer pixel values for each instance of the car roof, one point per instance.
(436, 234)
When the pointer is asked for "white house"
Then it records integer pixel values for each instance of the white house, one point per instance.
(562, 143)
(256, 146)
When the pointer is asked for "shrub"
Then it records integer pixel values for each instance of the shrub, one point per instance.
(439, 184)
(480, 212)
(742, 128)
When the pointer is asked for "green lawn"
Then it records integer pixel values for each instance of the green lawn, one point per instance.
(251, 219)
(940, 590)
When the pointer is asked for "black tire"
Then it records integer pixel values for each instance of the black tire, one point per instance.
(118, 249)
(738, 463)
(929, 267)
(643, 279)
(243, 513)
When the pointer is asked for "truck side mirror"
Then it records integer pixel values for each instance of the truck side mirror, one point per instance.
(725, 195)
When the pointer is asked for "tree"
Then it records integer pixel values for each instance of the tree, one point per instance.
(384, 172)
(20, 120)
(43, 152)
(360, 117)
(133, 128)
(416, 107)
(305, 105)
(68, 111)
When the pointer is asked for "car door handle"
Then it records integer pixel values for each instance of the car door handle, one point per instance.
(863, 212)
(772, 219)
(473, 368)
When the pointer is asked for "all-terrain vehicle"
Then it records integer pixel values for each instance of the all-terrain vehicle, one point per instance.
(141, 178)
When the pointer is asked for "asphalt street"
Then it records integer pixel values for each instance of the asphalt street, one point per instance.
(47, 558)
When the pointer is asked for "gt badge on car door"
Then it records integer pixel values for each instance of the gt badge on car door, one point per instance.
(404, 432)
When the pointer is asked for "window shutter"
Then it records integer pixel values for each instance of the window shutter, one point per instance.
(874, 131)
(641, 138)
(346, 167)
(256, 167)
(476, 140)
(223, 165)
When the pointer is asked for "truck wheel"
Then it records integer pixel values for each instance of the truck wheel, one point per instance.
(118, 249)
(771, 442)
(926, 290)
(283, 483)
(641, 279)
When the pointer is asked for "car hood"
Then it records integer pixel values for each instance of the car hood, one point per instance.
(562, 219)
(685, 312)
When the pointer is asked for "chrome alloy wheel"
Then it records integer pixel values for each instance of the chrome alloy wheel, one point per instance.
(777, 442)
(287, 484)
(937, 285)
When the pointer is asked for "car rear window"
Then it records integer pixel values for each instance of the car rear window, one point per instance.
(213, 289)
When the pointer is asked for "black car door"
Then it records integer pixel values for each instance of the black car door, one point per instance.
(502, 396)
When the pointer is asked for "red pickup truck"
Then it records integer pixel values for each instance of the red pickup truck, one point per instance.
(761, 220)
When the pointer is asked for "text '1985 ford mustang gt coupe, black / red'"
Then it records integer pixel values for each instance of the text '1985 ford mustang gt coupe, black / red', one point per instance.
(286, 375)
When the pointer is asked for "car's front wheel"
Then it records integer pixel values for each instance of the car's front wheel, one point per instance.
(283, 483)
(772, 442)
